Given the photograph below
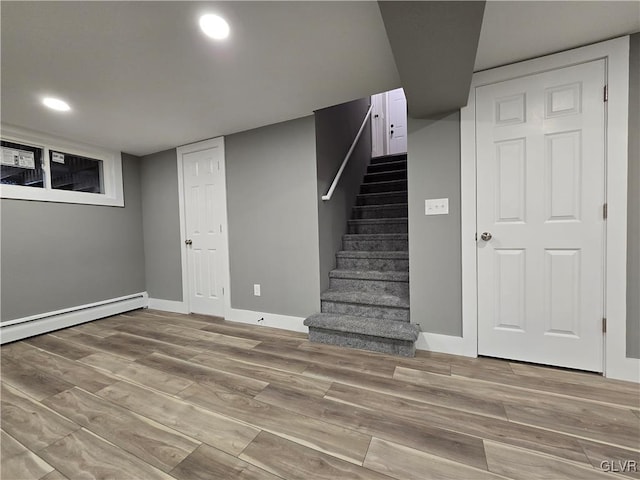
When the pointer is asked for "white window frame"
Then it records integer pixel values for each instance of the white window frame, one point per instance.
(113, 195)
(616, 54)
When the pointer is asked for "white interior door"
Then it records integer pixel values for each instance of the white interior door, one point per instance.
(540, 183)
(397, 121)
(205, 221)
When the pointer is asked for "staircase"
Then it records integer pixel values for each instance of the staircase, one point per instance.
(367, 304)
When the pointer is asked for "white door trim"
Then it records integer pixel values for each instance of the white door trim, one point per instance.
(378, 122)
(616, 54)
(180, 151)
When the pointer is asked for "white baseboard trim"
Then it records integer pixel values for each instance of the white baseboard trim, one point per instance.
(274, 320)
(168, 305)
(46, 322)
(434, 342)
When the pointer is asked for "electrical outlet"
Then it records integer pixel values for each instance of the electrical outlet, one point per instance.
(436, 206)
(256, 289)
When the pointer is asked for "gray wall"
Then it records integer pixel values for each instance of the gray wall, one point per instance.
(633, 226)
(161, 225)
(434, 241)
(273, 218)
(434, 46)
(60, 255)
(336, 128)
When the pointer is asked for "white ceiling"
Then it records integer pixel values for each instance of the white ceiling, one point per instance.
(142, 78)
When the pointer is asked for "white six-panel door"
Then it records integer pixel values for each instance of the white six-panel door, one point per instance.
(204, 203)
(389, 123)
(540, 195)
(397, 123)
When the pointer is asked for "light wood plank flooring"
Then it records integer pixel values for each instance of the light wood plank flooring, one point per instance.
(153, 395)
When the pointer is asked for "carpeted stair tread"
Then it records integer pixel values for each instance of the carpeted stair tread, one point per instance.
(387, 166)
(372, 327)
(389, 158)
(379, 206)
(385, 182)
(389, 176)
(382, 198)
(378, 221)
(384, 194)
(383, 187)
(391, 242)
(378, 225)
(398, 255)
(377, 212)
(375, 236)
(391, 276)
(365, 298)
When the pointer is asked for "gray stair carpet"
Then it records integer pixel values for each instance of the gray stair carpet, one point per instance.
(367, 304)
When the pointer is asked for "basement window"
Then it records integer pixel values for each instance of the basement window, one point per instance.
(21, 165)
(75, 173)
(42, 168)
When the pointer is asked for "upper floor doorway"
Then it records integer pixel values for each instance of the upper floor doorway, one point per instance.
(389, 123)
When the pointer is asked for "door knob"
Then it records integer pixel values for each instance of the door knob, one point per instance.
(188, 242)
(486, 236)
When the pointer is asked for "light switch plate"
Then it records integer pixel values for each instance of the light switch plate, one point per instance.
(436, 206)
(256, 289)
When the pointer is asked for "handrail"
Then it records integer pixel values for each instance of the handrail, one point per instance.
(334, 184)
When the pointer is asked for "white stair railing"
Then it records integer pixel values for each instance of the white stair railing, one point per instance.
(334, 184)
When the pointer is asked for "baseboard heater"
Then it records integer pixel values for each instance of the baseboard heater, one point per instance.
(20, 328)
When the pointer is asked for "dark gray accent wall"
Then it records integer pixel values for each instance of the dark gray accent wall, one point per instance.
(633, 225)
(161, 225)
(61, 255)
(273, 218)
(435, 265)
(336, 128)
(434, 44)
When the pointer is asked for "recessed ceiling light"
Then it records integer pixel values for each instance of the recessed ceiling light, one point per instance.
(56, 104)
(214, 26)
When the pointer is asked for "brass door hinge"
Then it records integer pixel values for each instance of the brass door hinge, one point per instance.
(604, 325)
(606, 94)
(605, 211)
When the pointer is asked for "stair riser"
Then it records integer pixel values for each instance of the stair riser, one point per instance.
(388, 158)
(365, 342)
(400, 227)
(394, 211)
(387, 167)
(386, 176)
(383, 187)
(376, 245)
(400, 197)
(370, 311)
(400, 289)
(379, 264)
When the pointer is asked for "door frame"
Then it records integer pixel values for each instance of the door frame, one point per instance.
(217, 142)
(616, 55)
(378, 124)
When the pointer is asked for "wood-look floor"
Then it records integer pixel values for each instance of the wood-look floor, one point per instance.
(152, 395)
